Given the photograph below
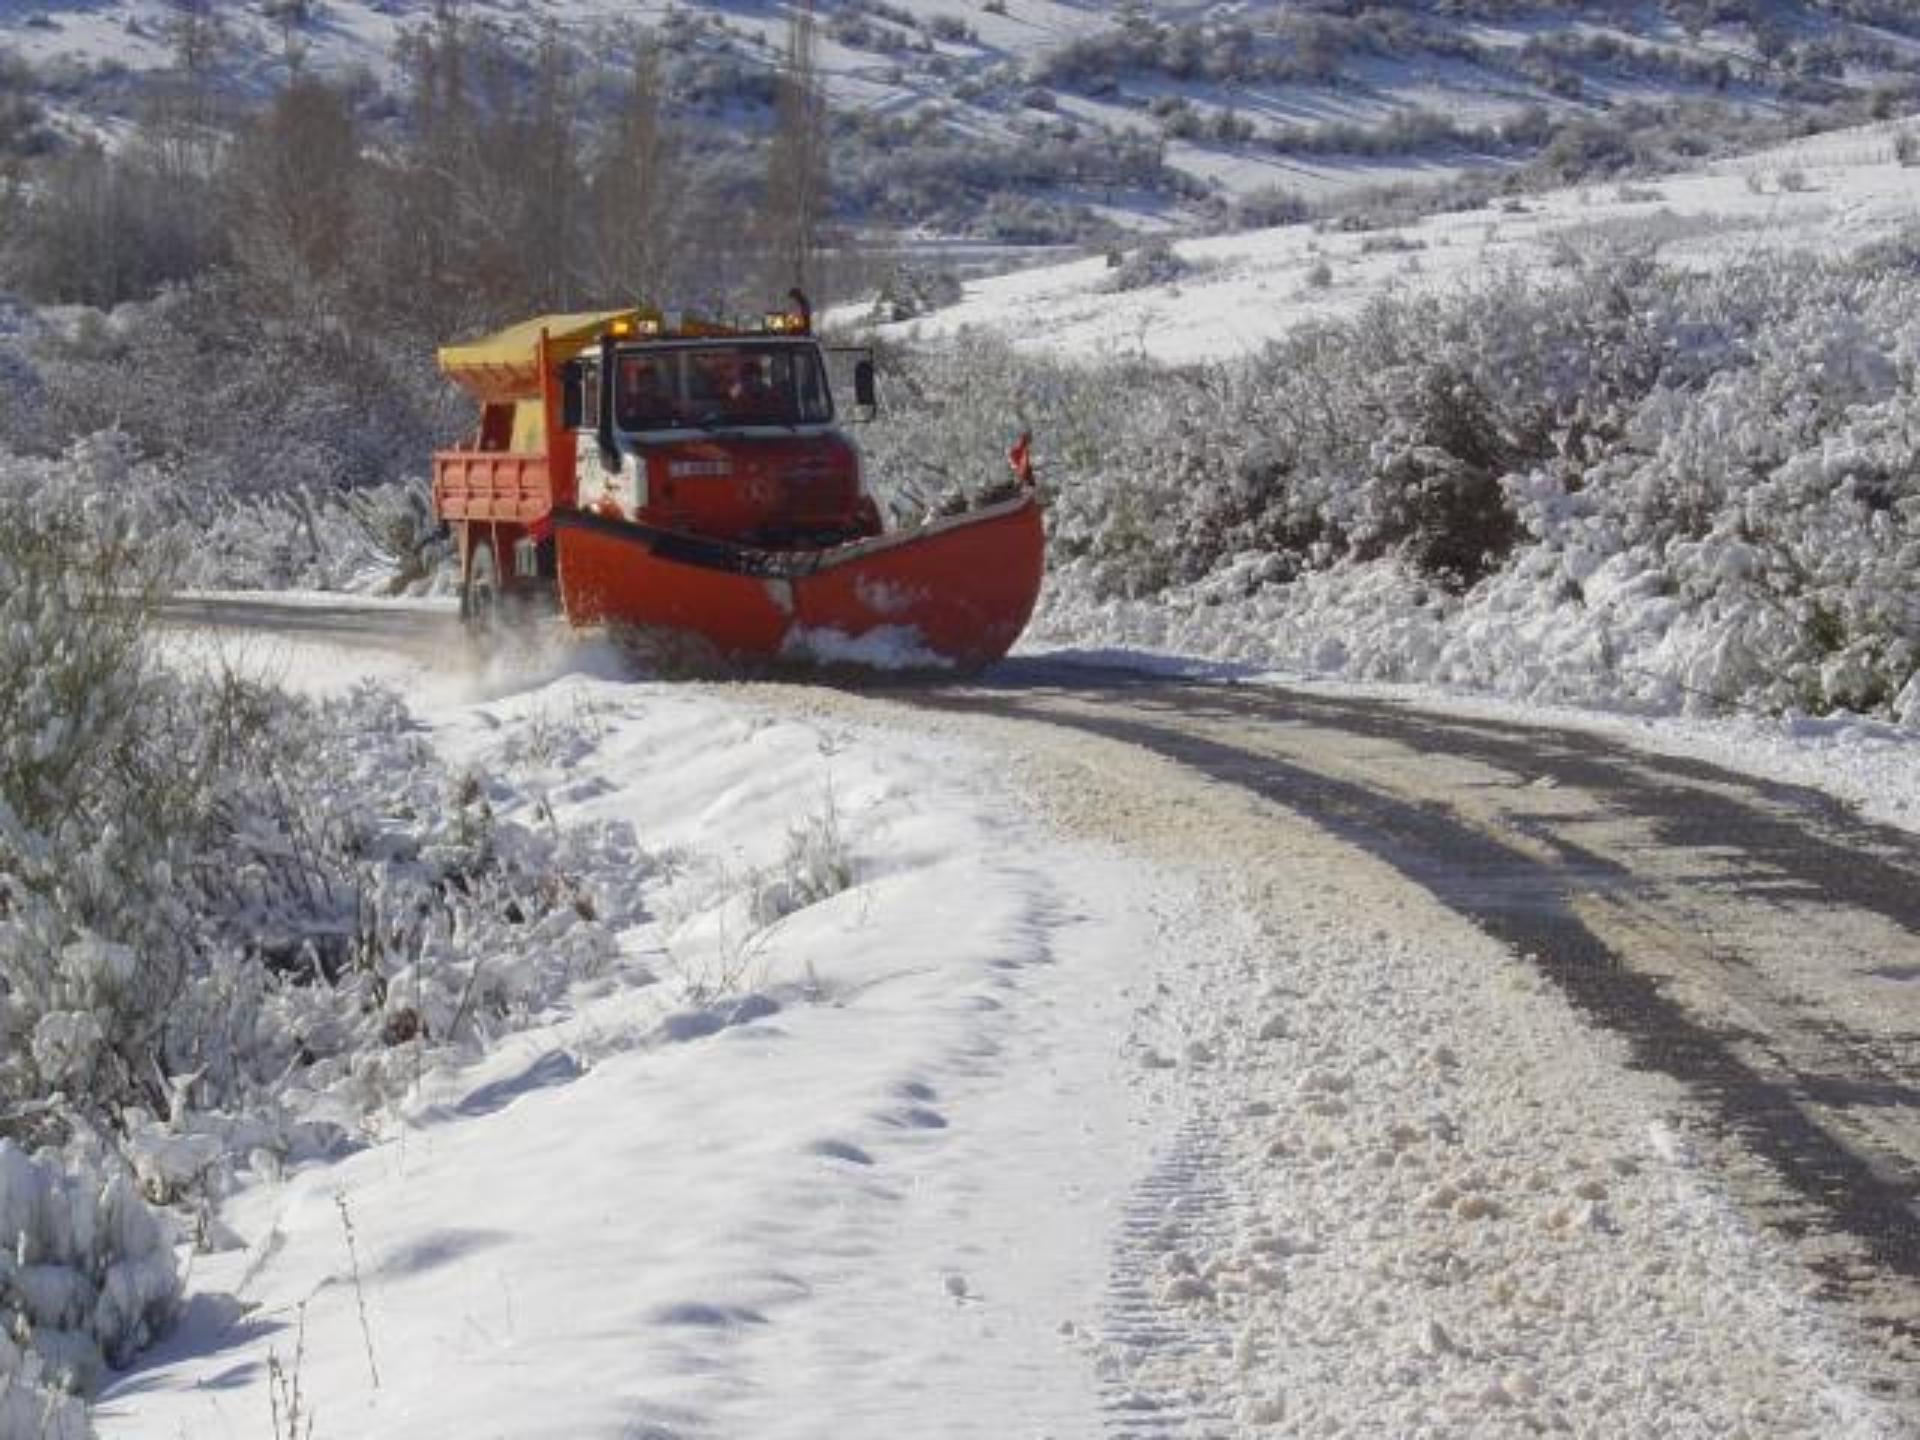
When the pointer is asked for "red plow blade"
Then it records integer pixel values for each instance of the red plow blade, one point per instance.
(954, 593)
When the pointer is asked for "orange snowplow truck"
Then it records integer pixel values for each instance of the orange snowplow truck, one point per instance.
(685, 479)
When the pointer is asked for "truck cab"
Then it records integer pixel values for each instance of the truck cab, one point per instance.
(727, 436)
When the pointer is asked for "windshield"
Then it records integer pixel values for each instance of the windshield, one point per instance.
(705, 386)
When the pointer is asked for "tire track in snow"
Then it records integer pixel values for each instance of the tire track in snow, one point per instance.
(1160, 1349)
(1556, 904)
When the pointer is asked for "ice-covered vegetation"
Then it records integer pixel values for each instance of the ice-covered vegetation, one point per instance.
(1794, 45)
(90, 1278)
(287, 467)
(232, 923)
(1619, 484)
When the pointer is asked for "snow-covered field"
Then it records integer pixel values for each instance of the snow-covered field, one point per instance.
(1829, 193)
(1024, 1132)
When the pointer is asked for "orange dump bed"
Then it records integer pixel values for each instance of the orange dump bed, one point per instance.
(520, 464)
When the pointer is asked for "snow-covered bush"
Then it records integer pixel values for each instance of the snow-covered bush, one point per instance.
(379, 538)
(211, 891)
(231, 403)
(817, 865)
(89, 811)
(273, 473)
(1154, 262)
(88, 1278)
(86, 1273)
(911, 291)
(1270, 205)
(1617, 483)
(34, 1403)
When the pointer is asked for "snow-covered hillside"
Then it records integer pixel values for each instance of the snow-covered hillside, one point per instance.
(1228, 296)
(1303, 98)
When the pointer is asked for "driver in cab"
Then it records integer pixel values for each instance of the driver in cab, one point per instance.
(645, 401)
(752, 394)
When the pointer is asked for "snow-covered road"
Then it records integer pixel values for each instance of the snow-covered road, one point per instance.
(1187, 1059)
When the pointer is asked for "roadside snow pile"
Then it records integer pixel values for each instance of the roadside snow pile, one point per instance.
(1622, 485)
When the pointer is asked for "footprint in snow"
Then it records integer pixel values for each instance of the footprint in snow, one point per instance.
(685, 1025)
(840, 1150)
(915, 1117)
(698, 1315)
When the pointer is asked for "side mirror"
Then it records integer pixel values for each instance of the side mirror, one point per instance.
(865, 397)
(603, 422)
(573, 398)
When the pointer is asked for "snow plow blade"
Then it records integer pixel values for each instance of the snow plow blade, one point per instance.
(952, 594)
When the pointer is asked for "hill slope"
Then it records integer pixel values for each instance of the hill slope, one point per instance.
(1309, 98)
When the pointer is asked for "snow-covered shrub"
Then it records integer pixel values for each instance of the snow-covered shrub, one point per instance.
(1618, 483)
(89, 812)
(232, 404)
(212, 890)
(1270, 205)
(817, 865)
(1154, 262)
(379, 538)
(88, 1278)
(34, 1403)
(271, 473)
(911, 291)
(912, 170)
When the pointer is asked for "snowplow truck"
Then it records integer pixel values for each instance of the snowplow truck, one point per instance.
(685, 480)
